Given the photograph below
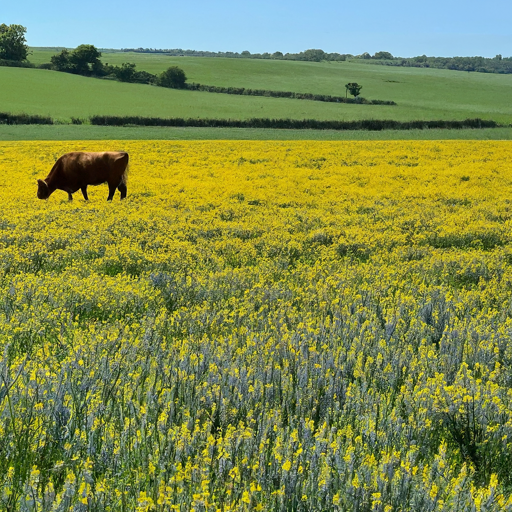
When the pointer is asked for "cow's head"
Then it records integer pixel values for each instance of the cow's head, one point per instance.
(43, 192)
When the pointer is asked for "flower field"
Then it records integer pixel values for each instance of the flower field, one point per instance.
(274, 326)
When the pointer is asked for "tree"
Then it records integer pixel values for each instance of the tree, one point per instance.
(143, 77)
(383, 55)
(125, 73)
(83, 60)
(86, 59)
(13, 45)
(353, 88)
(61, 62)
(314, 55)
(335, 57)
(173, 77)
(420, 58)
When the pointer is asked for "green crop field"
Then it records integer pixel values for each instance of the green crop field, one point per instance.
(419, 93)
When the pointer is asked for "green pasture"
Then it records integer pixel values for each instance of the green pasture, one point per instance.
(88, 132)
(420, 93)
(42, 55)
(62, 96)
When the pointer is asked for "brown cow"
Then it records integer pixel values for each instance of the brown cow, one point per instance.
(74, 171)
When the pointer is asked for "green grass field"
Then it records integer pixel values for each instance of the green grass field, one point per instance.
(63, 96)
(424, 94)
(418, 87)
(88, 132)
(419, 93)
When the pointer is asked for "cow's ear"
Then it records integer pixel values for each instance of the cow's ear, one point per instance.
(41, 183)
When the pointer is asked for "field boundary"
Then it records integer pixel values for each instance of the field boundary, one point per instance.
(294, 124)
(268, 93)
(263, 123)
(6, 118)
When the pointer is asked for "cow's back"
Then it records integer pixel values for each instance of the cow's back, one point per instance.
(88, 168)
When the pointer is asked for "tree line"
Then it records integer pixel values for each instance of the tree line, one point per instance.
(311, 55)
(497, 64)
(14, 51)
(352, 88)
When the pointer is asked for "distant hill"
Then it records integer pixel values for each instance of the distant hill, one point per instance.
(498, 64)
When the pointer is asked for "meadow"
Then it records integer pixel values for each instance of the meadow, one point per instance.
(424, 94)
(295, 326)
(423, 88)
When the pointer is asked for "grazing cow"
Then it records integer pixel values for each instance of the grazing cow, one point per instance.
(74, 171)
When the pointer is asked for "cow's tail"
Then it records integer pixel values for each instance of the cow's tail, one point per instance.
(124, 176)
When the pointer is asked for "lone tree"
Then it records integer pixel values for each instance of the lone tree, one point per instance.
(13, 45)
(173, 77)
(353, 88)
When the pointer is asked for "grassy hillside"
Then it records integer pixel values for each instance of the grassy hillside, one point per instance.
(62, 96)
(420, 93)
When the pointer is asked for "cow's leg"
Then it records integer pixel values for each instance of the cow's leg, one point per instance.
(84, 192)
(70, 197)
(122, 188)
(111, 192)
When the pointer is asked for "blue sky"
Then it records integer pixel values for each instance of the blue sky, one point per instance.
(404, 28)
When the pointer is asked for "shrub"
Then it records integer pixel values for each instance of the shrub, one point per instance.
(173, 77)
(6, 118)
(16, 63)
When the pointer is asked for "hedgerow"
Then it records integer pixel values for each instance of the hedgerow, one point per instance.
(298, 124)
(6, 118)
(284, 94)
